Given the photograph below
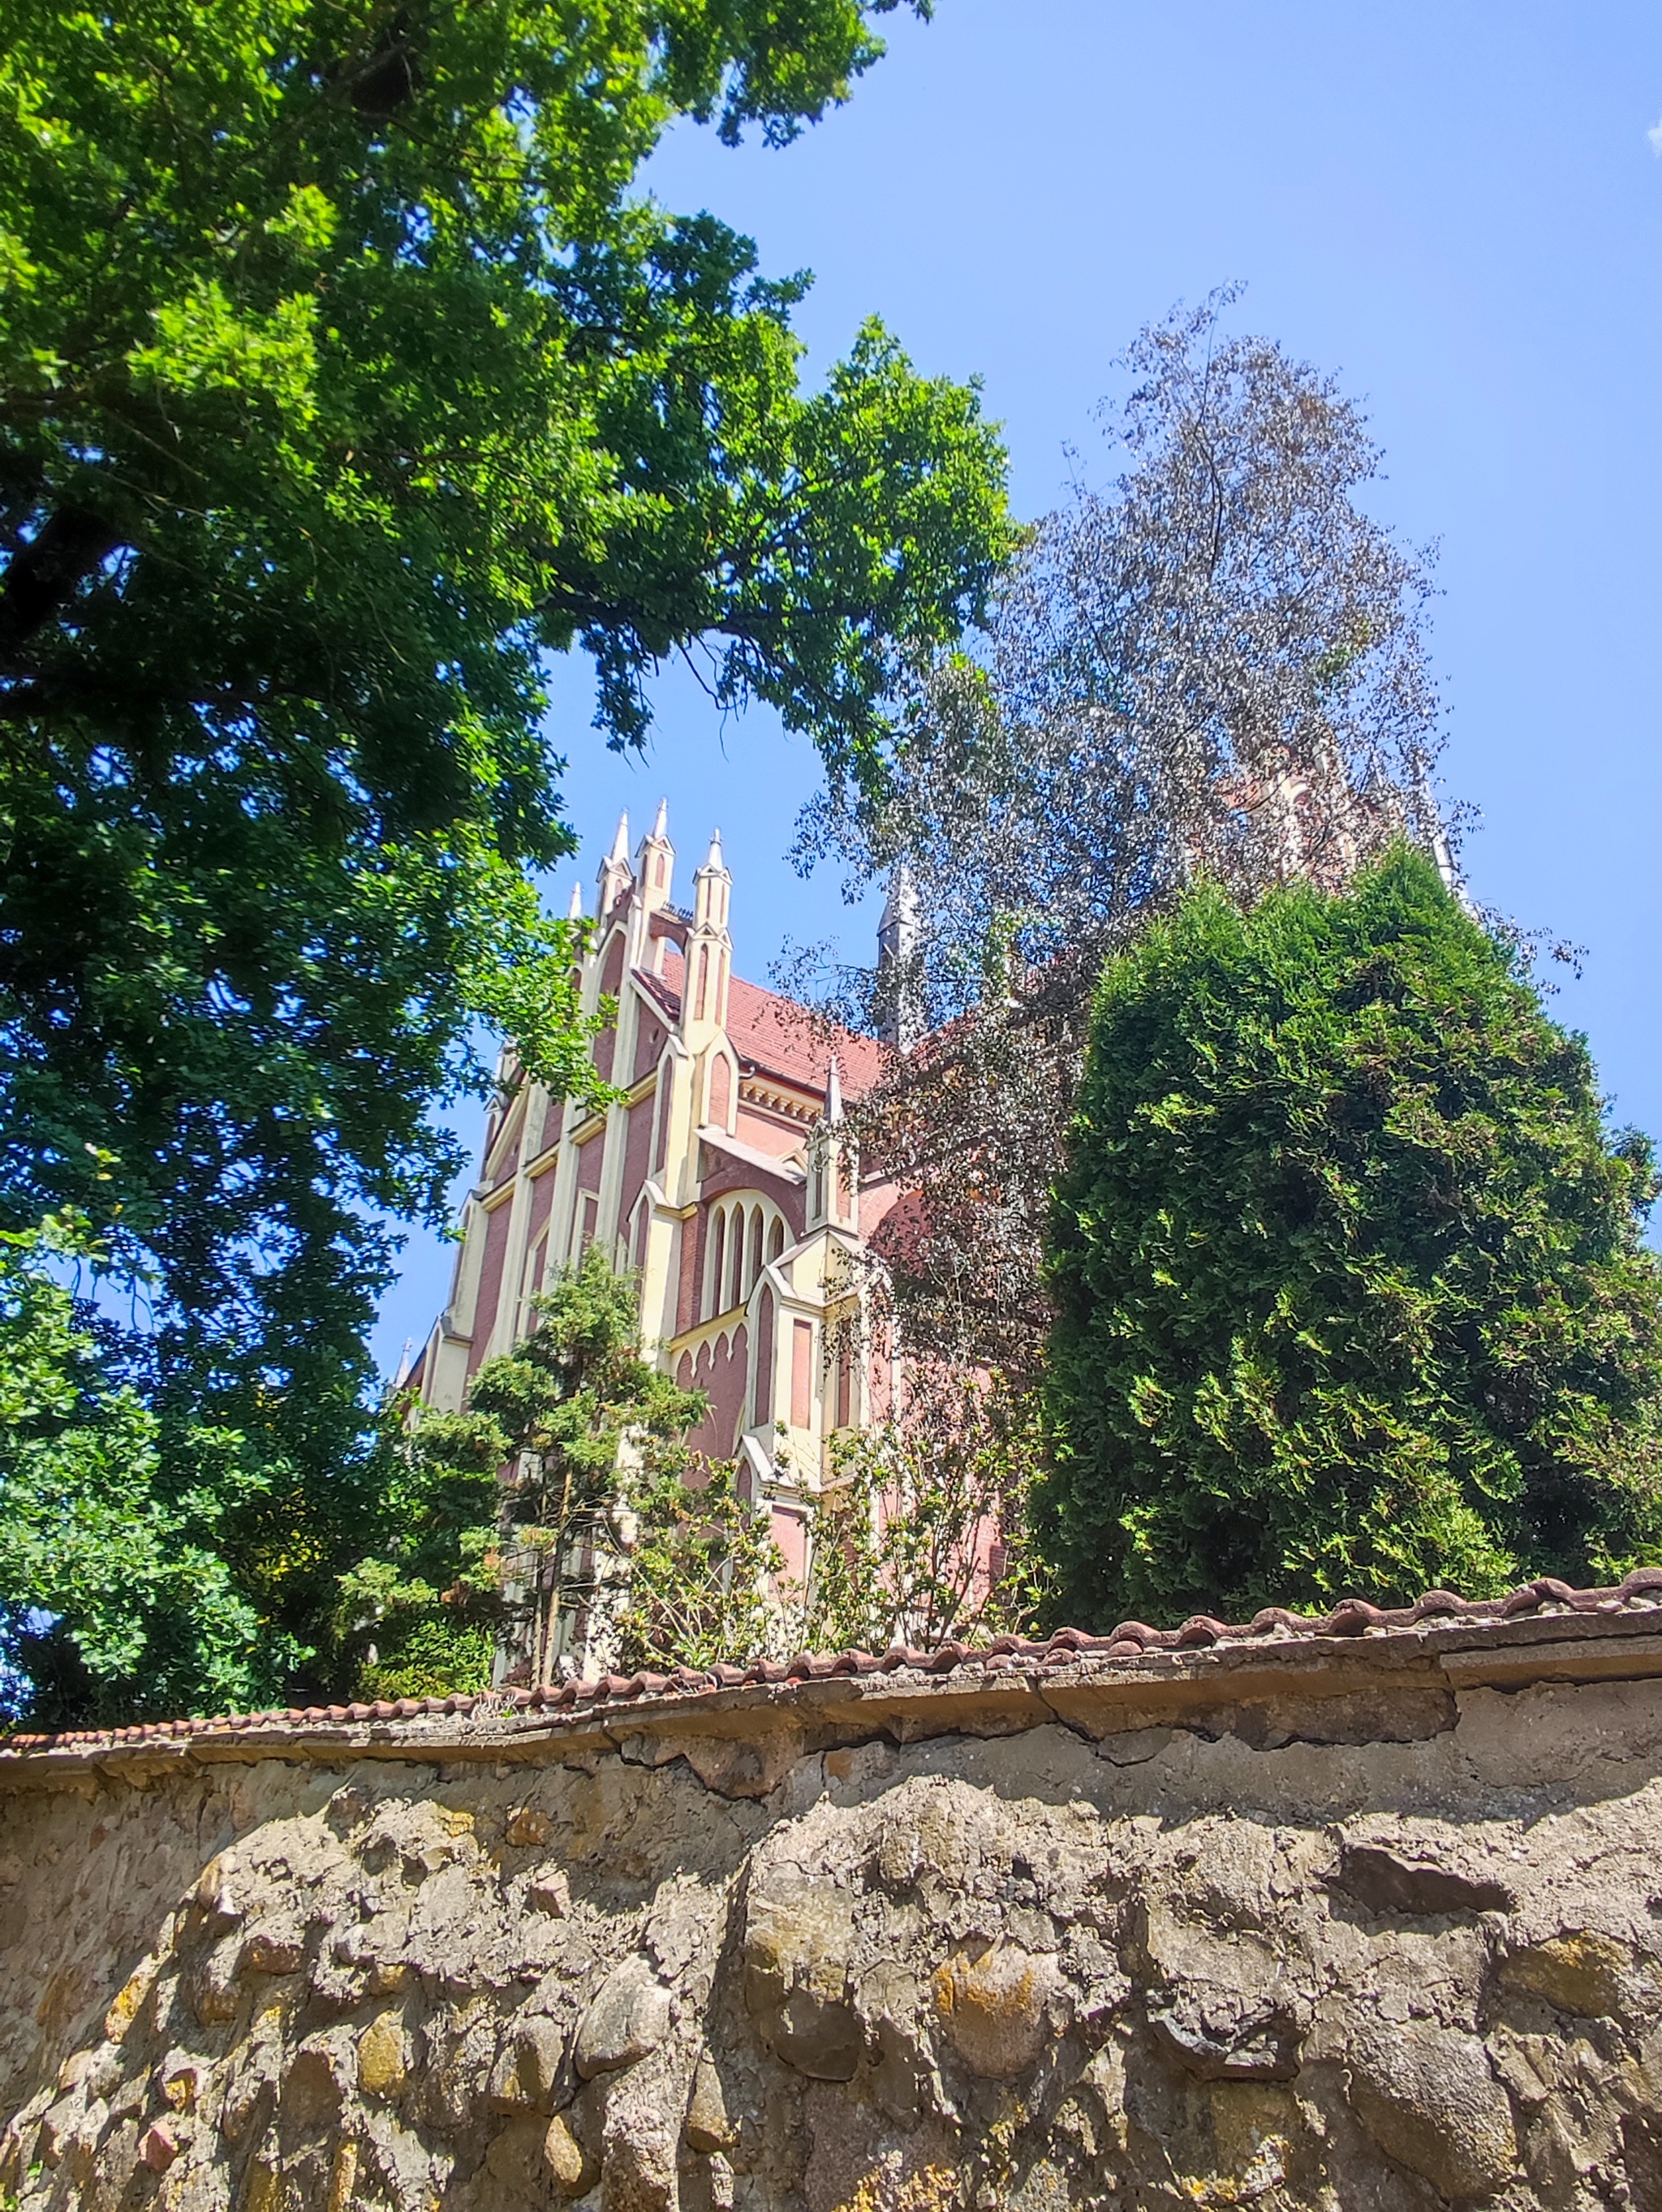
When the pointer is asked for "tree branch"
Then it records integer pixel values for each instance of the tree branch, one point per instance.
(45, 574)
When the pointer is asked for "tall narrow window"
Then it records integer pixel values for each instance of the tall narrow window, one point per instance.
(758, 1225)
(801, 1373)
(776, 1240)
(664, 1098)
(713, 1303)
(735, 1258)
(763, 1402)
(533, 1283)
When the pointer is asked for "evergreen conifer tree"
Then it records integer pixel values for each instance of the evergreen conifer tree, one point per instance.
(1351, 1297)
(509, 1522)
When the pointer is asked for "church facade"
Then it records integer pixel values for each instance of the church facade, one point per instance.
(723, 1177)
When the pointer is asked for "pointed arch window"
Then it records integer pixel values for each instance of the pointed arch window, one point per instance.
(718, 1231)
(762, 1405)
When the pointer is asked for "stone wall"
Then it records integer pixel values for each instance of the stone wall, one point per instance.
(1369, 1925)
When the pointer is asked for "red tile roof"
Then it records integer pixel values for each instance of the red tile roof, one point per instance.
(774, 1034)
(1273, 1633)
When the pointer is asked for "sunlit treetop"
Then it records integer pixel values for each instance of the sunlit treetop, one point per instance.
(344, 373)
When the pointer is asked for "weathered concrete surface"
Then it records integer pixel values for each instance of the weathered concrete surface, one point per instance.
(1375, 1927)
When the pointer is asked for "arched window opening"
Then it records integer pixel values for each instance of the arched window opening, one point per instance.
(721, 1093)
(775, 1241)
(763, 1406)
(735, 1255)
(713, 1298)
(758, 1229)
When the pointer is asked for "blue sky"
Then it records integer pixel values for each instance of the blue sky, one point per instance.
(1456, 209)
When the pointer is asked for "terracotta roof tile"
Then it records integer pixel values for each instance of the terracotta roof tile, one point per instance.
(1130, 1641)
(775, 1033)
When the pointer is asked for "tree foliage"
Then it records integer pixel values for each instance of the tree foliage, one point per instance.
(116, 1601)
(921, 1532)
(1350, 1292)
(705, 1579)
(513, 1518)
(343, 378)
(1216, 666)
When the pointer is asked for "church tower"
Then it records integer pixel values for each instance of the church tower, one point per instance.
(723, 1171)
(707, 972)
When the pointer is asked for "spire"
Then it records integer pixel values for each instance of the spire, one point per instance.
(708, 951)
(831, 1161)
(655, 863)
(615, 876)
(711, 887)
(575, 911)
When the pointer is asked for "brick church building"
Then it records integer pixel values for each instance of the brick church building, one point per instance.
(723, 1177)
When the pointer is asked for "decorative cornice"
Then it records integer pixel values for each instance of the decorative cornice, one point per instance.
(775, 1099)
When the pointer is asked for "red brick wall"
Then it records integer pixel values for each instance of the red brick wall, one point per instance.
(720, 1370)
(490, 1282)
(637, 1147)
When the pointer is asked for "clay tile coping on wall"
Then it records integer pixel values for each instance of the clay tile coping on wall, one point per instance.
(1274, 1636)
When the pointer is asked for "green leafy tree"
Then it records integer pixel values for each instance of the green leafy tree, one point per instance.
(515, 1517)
(1351, 1296)
(705, 1578)
(921, 1533)
(116, 1600)
(342, 380)
(1215, 665)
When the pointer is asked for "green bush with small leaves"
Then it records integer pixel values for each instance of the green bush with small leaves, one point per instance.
(1350, 1292)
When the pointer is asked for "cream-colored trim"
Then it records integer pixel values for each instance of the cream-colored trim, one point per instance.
(708, 1331)
(503, 1335)
(513, 1124)
(795, 1106)
(782, 1164)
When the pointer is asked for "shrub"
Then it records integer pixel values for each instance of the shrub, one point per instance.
(1350, 1292)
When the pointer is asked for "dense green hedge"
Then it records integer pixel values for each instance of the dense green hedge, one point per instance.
(1351, 1296)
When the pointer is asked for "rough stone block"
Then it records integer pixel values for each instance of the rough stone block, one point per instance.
(995, 2007)
(1427, 2096)
(628, 2017)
